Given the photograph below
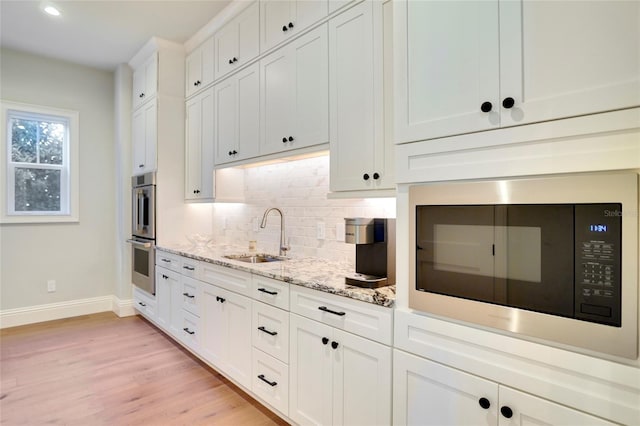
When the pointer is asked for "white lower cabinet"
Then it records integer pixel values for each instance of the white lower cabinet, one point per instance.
(428, 393)
(336, 377)
(144, 303)
(168, 296)
(270, 381)
(226, 341)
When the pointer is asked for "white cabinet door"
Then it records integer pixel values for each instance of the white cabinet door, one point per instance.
(310, 392)
(199, 68)
(586, 60)
(517, 408)
(144, 134)
(445, 72)
(294, 94)
(226, 336)
(356, 124)
(361, 381)
(238, 41)
(237, 121)
(237, 311)
(145, 81)
(281, 20)
(199, 144)
(427, 393)
(213, 325)
(166, 283)
(277, 108)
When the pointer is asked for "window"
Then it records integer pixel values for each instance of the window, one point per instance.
(39, 154)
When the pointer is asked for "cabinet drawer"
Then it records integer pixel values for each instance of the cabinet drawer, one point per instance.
(364, 319)
(144, 303)
(189, 267)
(272, 292)
(270, 331)
(189, 330)
(191, 295)
(168, 260)
(227, 278)
(271, 381)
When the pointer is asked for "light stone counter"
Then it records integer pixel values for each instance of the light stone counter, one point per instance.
(311, 272)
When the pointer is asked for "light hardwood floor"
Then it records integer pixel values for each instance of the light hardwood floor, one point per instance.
(104, 370)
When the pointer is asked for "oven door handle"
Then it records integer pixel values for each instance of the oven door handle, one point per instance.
(138, 243)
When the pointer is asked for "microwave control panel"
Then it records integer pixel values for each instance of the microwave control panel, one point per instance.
(598, 238)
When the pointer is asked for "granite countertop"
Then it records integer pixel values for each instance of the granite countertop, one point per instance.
(311, 272)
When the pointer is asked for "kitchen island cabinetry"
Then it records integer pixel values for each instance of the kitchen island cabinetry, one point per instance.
(199, 144)
(429, 392)
(294, 85)
(361, 156)
(494, 68)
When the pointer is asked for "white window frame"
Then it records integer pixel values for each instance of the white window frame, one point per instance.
(69, 184)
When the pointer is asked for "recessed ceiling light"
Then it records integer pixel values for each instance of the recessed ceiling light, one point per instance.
(51, 10)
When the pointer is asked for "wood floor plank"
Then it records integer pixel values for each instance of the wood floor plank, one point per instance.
(104, 370)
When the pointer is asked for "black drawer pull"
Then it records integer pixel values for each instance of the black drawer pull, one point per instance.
(166, 260)
(189, 331)
(264, 290)
(142, 304)
(165, 277)
(325, 309)
(190, 296)
(189, 268)
(272, 333)
(261, 377)
(220, 299)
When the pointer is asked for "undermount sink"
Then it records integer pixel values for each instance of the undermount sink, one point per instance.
(255, 258)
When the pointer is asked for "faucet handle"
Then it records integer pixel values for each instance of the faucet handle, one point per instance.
(285, 247)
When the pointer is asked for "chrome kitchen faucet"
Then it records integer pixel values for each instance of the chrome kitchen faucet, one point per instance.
(283, 247)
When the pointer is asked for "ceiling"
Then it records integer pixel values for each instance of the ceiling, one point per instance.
(98, 33)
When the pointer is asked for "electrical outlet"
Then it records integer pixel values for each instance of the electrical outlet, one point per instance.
(320, 230)
(51, 286)
(340, 231)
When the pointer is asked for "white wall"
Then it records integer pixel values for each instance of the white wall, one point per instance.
(299, 189)
(79, 256)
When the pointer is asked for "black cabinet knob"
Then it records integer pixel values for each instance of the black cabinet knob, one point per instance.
(484, 403)
(325, 340)
(140, 165)
(284, 140)
(235, 59)
(290, 25)
(230, 153)
(506, 411)
(141, 95)
(234, 152)
(230, 61)
(195, 83)
(486, 107)
(376, 176)
(290, 138)
(508, 102)
(365, 176)
(334, 345)
(284, 28)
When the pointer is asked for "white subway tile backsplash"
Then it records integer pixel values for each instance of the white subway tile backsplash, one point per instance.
(299, 189)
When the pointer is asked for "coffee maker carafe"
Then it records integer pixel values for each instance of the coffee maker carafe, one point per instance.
(375, 241)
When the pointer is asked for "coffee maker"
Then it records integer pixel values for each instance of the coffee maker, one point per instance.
(375, 241)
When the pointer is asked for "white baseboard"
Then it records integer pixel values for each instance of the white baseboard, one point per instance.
(123, 308)
(68, 309)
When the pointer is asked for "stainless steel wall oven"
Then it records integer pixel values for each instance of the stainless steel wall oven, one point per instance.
(552, 258)
(143, 231)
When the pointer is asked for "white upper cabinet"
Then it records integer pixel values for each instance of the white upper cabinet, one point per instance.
(238, 41)
(145, 138)
(237, 116)
(145, 81)
(356, 92)
(199, 144)
(294, 94)
(468, 66)
(280, 20)
(199, 68)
